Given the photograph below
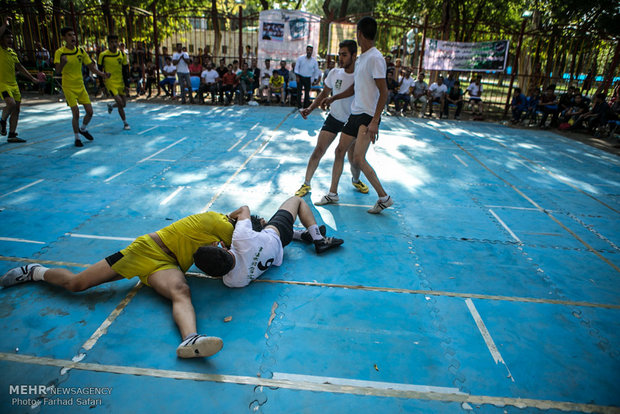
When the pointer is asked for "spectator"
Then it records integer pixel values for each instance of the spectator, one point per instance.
(162, 57)
(221, 70)
(285, 74)
(532, 103)
(437, 93)
(597, 116)
(256, 70)
(454, 97)
(41, 81)
(229, 84)
(398, 69)
(196, 68)
(248, 56)
(388, 62)
(420, 89)
(573, 113)
(180, 59)
(330, 65)
(449, 82)
(265, 78)
(136, 75)
(306, 69)
(139, 55)
(393, 87)
(566, 100)
(548, 105)
(276, 85)
(235, 67)
(170, 80)
(246, 80)
(404, 92)
(518, 105)
(475, 96)
(208, 83)
(587, 83)
(151, 77)
(42, 56)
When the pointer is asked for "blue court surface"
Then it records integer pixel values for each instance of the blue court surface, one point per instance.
(491, 286)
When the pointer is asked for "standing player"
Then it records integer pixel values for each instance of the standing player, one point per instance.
(337, 81)
(115, 62)
(371, 94)
(8, 84)
(69, 60)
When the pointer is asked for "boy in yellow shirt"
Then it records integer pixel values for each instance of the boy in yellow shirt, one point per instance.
(69, 60)
(8, 84)
(115, 62)
(276, 85)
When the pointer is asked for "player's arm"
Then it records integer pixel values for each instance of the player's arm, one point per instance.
(93, 68)
(317, 102)
(25, 72)
(373, 127)
(350, 91)
(242, 213)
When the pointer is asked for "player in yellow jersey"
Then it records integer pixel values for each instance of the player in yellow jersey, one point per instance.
(160, 260)
(114, 61)
(69, 60)
(8, 84)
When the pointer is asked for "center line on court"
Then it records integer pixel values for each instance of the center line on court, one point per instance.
(171, 196)
(22, 188)
(162, 150)
(460, 160)
(147, 130)
(514, 236)
(92, 236)
(20, 240)
(117, 174)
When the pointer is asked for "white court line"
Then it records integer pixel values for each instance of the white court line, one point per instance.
(516, 208)
(163, 149)
(367, 384)
(117, 174)
(570, 156)
(460, 160)
(497, 357)
(92, 236)
(161, 160)
(352, 205)
(171, 196)
(237, 143)
(514, 236)
(22, 188)
(20, 240)
(147, 130)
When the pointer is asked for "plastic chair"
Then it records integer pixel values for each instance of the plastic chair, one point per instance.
(195, 83)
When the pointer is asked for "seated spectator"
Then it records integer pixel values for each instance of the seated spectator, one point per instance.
(388, 62)
(573, 113)
(208, 83)
(42, 56)
(235, 67)
(230, 84)
(254, 68)
(169, 82)
(548, 105)
(265, 78)
(597, 116)
(195, 68)
(151, 77)
(449, 81)
(475, 96)
(246, 80)
(420, 89)
(532, 103)
(566, 100)
(276, 85)
(392, 87)
(404, 91)
(41, 81)
(518, 105)
(454, 97)
(248, 55)
(221, 70)
(437, 93)
(136, 76)
(285, 74)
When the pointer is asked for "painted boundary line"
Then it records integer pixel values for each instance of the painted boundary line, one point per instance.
(313, 386)
(22, 188)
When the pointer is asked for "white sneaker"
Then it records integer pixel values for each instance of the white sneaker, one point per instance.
(199, 346)
(18, 275)
(327, 199)
(126, 127)
(381, 205)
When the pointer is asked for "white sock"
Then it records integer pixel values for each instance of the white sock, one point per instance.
(315, 232)
(297, 234)
(84, 126)
(77, 137)
(332, 194)
(383, 199)
(38, 273)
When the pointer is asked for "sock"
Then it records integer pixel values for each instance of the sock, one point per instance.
(332, 194)
(297, 234)
(307, 183)
(38, 273)
(84, 126)
(77, 137)
(383, 199)
(190, 336)
(315, 232)
(355, 173)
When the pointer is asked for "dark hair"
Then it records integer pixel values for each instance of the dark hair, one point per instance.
(256, 223)
(66, 30)
(601, 96)
(517, 90)
(457, 83)
(168, 58)
(368, 26)
(214, 261)
(349, 44)
(112, 37)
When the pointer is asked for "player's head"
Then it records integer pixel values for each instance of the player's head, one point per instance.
(7, 39)
(367, 28)
(214, 261)
(179, 47)
(68, 35)
(347, 53)
(112, 42)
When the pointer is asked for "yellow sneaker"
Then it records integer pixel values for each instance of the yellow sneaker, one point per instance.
(361, 187)
(303, 190)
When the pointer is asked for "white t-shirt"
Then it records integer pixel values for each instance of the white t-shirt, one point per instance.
(437, 91)
(369, 66)
(407, 83)
(339, 81)
(308, 68)
(182, 65)
(170, 69)
(209, 76)
(254, 253)
(419, 88)
(264, 71)
(474, 90)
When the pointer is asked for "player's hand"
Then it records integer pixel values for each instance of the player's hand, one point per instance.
(63, 59)
(305, 112)
(107, 75)
(372, 130)
(327, 101)
(324, 105)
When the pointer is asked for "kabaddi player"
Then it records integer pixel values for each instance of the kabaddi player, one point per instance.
(115, 62)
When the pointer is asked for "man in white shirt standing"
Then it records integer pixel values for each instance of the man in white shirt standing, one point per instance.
(371, 94)
(337, 81)
(306, 69)
(437, 93)
(181, 60)
(208, 83)
(256, 245)
(404, 91)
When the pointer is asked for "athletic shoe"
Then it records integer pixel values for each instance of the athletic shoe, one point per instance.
(13, 137)
(305, 236)
(86, 135)
(303, 190)
(327, 199)
(327, 243)
(381, 205)
(361, 187)
(78, 143)
(199, 346)
(126, 127)
(18, 275)
(2, 126)
(110, 108)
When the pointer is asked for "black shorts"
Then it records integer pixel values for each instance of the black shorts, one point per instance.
(283, 221)
(332, 125)
(354, 123)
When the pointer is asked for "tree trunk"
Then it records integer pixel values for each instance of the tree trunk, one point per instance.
(263, 3)
(107, 16)
(216, 28)
(343, 8)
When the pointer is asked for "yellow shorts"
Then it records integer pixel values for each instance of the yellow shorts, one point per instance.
(10, 91)
(75, 95)
(115, 88)
(141, 258)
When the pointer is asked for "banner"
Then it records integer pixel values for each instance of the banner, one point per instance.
(284, 35)
(479, 56)
(339, 32)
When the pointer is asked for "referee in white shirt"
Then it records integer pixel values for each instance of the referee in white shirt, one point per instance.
(306, 69)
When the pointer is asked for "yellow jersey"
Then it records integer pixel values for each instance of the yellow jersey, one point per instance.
(72, 71)
(113, 64)
(185, 236)
(8, 59)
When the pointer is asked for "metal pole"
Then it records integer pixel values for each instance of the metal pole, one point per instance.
(423, 44)
(241, 35)
(515, 66)
(156, 42)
